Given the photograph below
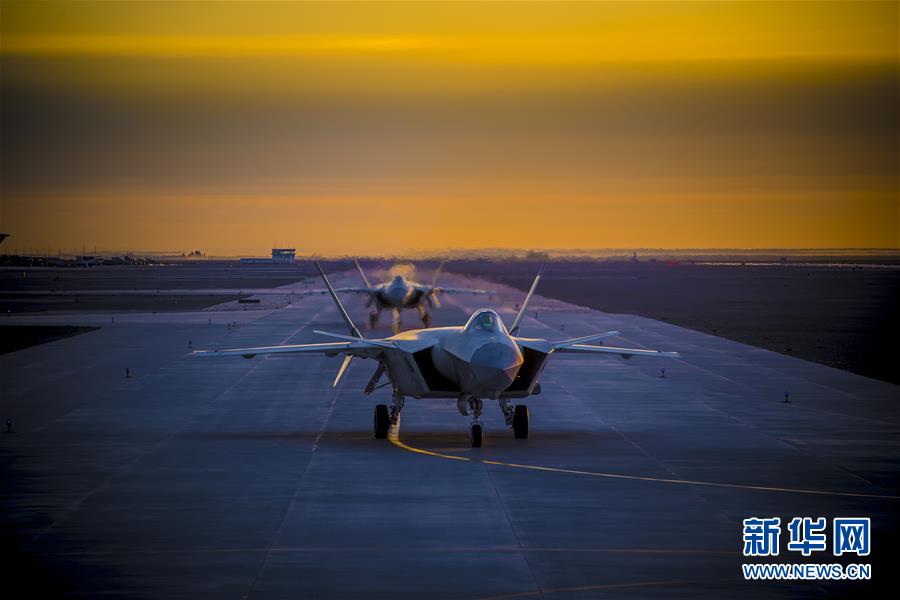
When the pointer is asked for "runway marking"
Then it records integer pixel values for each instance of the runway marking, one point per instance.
(335, 394)
(395, 440)
(512, 527)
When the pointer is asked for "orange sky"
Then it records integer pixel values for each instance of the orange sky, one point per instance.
(383, 128)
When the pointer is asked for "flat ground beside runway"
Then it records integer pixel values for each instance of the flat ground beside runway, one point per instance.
(180, 286)
(233, 478)
(197, 275)
(828, 313)
(71, 303)
(36, 290)
(16, 337)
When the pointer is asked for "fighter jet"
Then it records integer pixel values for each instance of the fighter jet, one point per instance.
(401, 293)
(481, 360)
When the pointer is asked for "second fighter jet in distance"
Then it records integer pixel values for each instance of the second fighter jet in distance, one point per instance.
(400, 293)
(478, 361)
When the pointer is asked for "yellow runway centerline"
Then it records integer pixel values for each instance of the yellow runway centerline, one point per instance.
(395, 440)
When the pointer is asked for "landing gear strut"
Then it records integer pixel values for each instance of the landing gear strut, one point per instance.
(507, 411)
(396, 407)
(425, 316)
(474, 406)
(373, 319)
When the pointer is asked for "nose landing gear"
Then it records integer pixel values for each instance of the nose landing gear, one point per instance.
(472, 406)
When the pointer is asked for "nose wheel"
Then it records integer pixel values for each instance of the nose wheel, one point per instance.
(471, 406)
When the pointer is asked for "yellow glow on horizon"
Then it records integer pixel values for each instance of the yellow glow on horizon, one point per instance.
(377, 126)
(489, 32)
(213, 46)
(231, 225)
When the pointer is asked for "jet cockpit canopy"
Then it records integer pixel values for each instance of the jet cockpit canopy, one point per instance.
(485, 320)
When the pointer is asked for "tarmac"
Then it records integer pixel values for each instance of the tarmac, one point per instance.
(234, 478)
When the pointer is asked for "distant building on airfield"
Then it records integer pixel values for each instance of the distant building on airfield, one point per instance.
(280, 256)
(283, 256)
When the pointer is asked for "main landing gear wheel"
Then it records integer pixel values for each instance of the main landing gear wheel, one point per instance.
(520, 422)
(382, 421)
(476, 435)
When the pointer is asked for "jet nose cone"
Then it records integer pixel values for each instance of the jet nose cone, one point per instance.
(495, 365)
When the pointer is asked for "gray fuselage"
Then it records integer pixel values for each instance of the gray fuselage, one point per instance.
(479, 359)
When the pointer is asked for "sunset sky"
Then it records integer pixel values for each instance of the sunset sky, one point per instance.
(346, 128)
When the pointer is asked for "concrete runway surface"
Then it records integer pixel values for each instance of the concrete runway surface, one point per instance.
(233, 478)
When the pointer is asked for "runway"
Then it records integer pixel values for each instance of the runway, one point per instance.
(233, 478)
